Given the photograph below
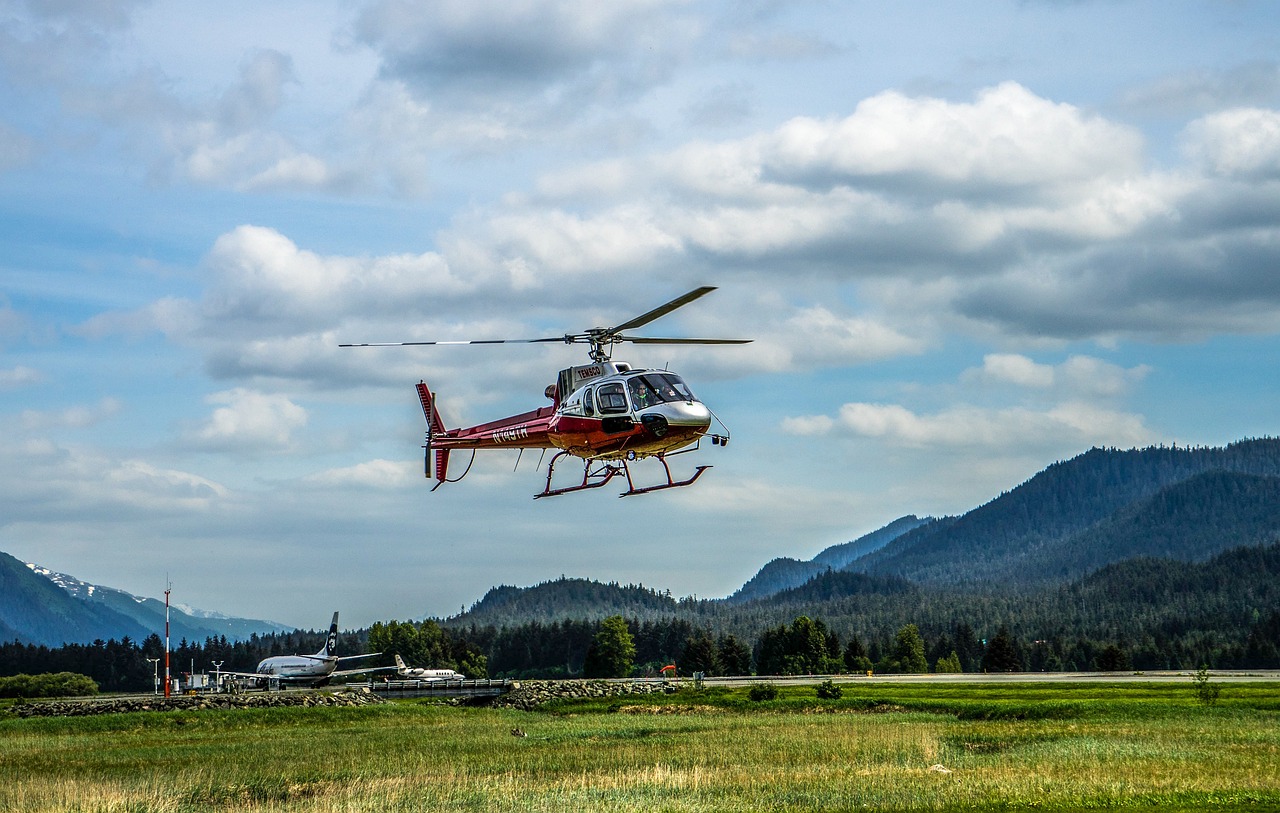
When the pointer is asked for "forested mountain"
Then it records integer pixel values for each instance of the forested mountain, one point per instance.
(1036, 531)
(785, 573)
(1162, 557)
(39, 606)
(1101, 507)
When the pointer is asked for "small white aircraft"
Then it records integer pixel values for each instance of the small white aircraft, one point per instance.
(425, 674)
(308, 670)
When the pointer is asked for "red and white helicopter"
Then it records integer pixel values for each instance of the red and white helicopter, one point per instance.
(607, 413)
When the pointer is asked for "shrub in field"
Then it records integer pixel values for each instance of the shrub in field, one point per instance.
(1206, 692)
(828, 690)
(57, 684)
(763, 691)
(949, 665)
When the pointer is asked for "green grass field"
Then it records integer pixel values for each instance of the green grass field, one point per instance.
(1000, 747)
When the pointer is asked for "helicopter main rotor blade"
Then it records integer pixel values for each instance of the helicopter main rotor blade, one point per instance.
(662, 310)
(651, 340)
(560, 339)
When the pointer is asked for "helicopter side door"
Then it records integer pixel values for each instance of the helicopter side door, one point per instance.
(615, 412)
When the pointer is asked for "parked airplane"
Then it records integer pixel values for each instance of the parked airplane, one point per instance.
(425, 674)
(308, 670)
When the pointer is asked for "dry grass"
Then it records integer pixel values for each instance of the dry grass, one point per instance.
(1126, 752)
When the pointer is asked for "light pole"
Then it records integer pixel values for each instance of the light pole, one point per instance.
(217, 675)
(155, 668)
(167, 682)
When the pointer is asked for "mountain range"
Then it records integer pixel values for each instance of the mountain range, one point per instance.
(1073, 519)
(40, 606)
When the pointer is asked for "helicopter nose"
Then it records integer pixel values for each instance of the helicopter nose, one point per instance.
(687, 414)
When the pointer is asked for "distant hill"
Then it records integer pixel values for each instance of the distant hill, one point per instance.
(39, 606)
(786, 573)
(568, 598)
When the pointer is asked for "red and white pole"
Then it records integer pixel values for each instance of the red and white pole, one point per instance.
(166, 640)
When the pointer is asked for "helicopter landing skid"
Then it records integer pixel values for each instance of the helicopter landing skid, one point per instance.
(606, 472)
(590, 479)
(631, 489)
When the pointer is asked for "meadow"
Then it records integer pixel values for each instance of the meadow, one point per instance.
(878, 747)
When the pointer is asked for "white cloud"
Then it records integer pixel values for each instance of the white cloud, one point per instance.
(249, 421)
(44, 481)
(1007, 138)
(1071, 425)
(1077, 376)
(1238, 142)
(371, 474)
(260, 276)
(19, 376)
(76, 417)
(1013, 369)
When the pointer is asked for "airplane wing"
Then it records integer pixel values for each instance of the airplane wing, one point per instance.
(354, 657)
(346, 672)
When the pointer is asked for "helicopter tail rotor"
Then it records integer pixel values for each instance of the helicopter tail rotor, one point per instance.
(434, 426)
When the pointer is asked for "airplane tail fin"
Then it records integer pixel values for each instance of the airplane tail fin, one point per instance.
(400, 666)
(330, 643)
(434, 426)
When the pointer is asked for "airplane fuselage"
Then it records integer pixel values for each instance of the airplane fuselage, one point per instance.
(300, 669)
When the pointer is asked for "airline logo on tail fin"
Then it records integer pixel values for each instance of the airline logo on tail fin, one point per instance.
(331, 643)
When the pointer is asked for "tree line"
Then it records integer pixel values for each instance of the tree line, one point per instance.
(619, 647)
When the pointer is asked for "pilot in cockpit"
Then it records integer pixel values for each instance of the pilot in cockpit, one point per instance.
(641, 395)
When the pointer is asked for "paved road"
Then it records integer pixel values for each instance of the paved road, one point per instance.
(1222, 676)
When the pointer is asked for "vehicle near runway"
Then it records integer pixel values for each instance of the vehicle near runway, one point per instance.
(606, 413)
(417, 672)
(308, 670)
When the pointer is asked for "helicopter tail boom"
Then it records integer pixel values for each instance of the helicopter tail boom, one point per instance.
(435, 426)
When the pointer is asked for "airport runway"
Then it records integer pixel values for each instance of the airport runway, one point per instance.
(1222, 676)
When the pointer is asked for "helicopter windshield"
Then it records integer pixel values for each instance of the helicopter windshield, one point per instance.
(657, 388)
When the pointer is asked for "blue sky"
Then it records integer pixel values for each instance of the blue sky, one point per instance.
(967, 239)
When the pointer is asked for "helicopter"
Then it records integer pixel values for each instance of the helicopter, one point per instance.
(606, 413)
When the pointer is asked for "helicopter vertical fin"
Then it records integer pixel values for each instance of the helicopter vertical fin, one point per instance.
(434, 425)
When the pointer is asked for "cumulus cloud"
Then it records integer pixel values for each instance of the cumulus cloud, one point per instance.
(1069, 425)
(1008, 138)
(1238, 142)
(249, 421)
(1009, 214)
(1078, 375)
(378, 474)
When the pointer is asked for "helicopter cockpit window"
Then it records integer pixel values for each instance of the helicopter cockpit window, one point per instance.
(657, 388)
(587, 404)
(611, 399)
